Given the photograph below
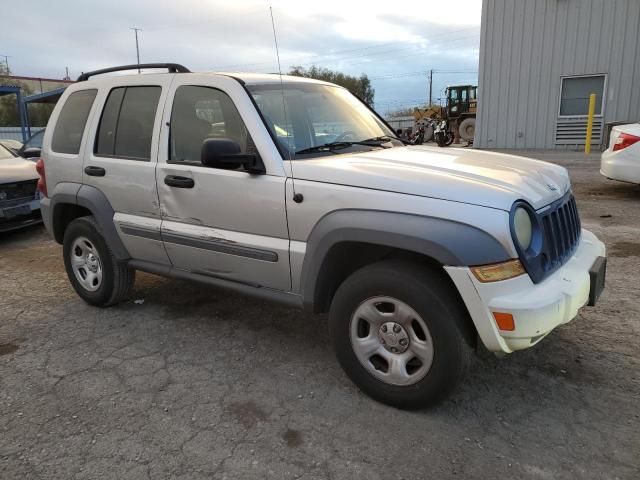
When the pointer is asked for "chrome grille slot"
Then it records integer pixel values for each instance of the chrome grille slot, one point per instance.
(18, 190)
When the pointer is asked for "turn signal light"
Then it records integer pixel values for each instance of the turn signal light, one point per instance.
(505, 321)
(498, 271)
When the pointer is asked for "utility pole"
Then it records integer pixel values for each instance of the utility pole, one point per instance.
(6, 61)
(136, 30)
(430, 87)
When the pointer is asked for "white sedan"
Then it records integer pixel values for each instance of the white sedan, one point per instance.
(621, 160)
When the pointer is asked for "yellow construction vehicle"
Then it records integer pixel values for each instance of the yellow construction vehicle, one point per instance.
(459, 112)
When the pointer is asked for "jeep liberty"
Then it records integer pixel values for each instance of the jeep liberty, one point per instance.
(293, 190)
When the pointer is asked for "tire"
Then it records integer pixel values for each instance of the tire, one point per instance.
(450, 138)
(96, 275)
(432, 304)
(467, 129)
(440, 139)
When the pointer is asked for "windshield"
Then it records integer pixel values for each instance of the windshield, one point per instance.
(313, 115)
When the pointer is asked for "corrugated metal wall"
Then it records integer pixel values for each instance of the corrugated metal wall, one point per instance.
(526, 47)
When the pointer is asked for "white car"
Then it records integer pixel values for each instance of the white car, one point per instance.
(19, 198)
(621, 161)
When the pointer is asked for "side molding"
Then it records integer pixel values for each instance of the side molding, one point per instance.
(446, 241)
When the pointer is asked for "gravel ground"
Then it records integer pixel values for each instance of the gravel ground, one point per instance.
(190, 382)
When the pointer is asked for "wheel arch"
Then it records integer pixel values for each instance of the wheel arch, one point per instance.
(346, 240)
(74, 201)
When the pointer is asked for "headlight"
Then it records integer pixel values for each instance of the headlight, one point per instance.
(522, 227)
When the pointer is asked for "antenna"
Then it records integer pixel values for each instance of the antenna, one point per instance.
(297, 197)
(136, 30)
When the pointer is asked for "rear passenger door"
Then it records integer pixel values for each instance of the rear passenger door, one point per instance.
(121, 161)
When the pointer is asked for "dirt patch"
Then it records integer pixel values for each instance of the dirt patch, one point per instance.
(247, 413)
(293, 438)
(8, 348)
(625, 249)
(617, 191)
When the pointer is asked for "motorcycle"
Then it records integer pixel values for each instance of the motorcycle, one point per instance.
(442, 135)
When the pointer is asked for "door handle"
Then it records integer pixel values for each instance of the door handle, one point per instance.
(178, 181)
(95, 171)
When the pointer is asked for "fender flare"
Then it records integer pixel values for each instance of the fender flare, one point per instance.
(97, 203)
(448, 242)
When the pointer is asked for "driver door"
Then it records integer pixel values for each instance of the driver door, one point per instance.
(220, 222)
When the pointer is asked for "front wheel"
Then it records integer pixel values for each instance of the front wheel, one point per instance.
(397, 330)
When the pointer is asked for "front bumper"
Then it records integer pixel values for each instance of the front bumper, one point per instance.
(19, 214)
(536, 308)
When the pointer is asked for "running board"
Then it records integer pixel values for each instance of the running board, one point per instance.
(263, 293)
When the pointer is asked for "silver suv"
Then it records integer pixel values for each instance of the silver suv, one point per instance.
(293, 190)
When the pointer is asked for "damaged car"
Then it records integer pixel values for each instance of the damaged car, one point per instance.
(19, 197)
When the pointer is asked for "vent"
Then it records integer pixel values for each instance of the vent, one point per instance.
(573, 131)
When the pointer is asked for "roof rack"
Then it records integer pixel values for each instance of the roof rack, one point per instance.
(172, 67)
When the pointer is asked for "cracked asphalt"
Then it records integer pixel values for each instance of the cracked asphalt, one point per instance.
(200, 383)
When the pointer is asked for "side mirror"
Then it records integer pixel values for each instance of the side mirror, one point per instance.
(31, 152)
(226, 153)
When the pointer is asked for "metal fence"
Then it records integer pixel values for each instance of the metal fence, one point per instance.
(401, 122)
(14, 133)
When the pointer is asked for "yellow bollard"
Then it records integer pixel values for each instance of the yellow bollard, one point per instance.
(592, 111)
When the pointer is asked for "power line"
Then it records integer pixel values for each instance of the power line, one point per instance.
(420, 73)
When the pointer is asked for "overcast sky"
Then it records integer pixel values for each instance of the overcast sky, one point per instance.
(394, 43)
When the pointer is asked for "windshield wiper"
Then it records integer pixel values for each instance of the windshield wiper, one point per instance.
(328, 147)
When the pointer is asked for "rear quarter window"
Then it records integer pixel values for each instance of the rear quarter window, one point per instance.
(68, 131)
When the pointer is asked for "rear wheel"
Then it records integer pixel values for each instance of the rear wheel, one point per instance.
(397, 330)
(96, 275)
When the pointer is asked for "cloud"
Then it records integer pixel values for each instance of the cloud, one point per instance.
(380, 38)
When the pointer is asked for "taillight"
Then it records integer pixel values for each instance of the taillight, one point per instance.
(625, 140)
(42, 181)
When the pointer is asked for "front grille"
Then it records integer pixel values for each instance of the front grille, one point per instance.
(18, 190)
(561, 229)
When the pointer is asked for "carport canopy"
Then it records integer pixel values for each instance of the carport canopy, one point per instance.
(51, 97)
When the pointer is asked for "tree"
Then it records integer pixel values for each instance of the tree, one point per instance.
(359, 86)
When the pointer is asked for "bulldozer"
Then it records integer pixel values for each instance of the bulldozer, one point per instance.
(459, 112)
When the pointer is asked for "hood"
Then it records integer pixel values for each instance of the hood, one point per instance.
(17, 170)
(483, 178)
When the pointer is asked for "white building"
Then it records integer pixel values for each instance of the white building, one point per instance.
(540, 60)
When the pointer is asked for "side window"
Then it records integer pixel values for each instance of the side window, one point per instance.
(126, 125)
(69, 128)
(199, 113)
(575, 92)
